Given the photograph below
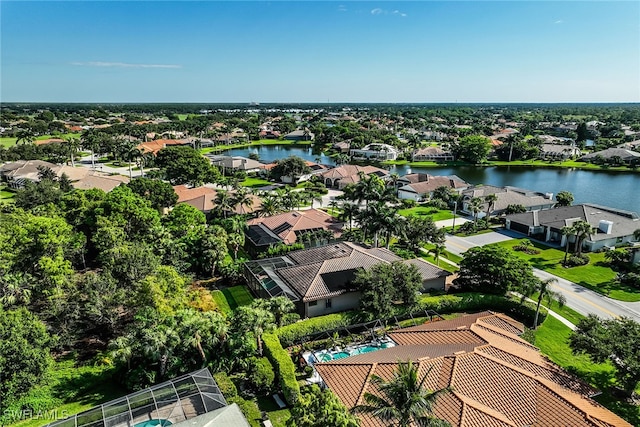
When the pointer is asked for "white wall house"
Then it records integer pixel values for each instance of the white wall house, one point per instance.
(375, 151)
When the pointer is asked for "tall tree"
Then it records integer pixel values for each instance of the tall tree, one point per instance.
(613, 340)
(320, 408)
(490, 200)
(404, 400)
(543, 289)
(473, 148)
(564, 198)
(582, 229)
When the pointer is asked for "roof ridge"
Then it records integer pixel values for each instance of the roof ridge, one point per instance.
(487, 410)
(506, 335)
(365, 386)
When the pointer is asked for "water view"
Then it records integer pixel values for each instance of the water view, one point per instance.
(616, 189)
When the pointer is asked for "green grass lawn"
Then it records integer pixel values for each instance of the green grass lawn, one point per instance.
(237, 296)
(7, 142)
(551, 338)
(221, 302)
(252, 182)
(442, 264)
(596, 275)
(6, 195)
(568, 313)
(277, 416)
(225, 147)
(74, 389)
(434, 213)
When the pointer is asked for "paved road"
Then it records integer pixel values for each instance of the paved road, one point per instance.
(579, 298)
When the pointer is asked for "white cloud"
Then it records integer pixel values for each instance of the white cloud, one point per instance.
(559, 21)
(342, 8)
(124, 65)
(378, 11)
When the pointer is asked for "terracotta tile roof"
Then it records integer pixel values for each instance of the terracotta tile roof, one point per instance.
(48, 141)
(351, 171)
(291, 222)
(497, 380)
(187, 193)
(203, 198)
(159, 144)
(102, 181)
(434, 182)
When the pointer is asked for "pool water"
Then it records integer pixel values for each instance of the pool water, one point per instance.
(327, 357)
(154, 423)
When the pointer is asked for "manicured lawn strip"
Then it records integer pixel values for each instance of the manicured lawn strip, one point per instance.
(7, 142)
(434, 213)
(237, 296)
(551, 338)
(6, 196)
(568, 313)
(225, 147)
(596, 275)
(221, 302)
(443, 264)
(252, 182)
(277, 416)
(76, 388)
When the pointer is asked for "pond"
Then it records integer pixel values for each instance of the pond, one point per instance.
(615, 189)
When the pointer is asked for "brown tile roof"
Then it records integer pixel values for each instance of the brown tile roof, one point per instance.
(497, 380)
(203, 198)
(296, 221)
(159, 144)
(102, 181)
(433, 183)
(187, 193)
(351, 171)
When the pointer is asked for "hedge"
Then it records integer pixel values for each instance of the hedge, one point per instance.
(249, 409)
(523, 312)
(284, 367)
(226, 386)
(291, 334)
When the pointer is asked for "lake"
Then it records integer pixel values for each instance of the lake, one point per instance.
(616, 189)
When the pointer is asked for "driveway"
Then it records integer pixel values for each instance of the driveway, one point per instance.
(579, 298)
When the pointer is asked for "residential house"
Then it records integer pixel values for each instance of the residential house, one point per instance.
(506, 196)
(300, 135)
(435, 154)
(288, 228)
(155, 146)
(203, 199)
(320, 280)
(269, 134)
(495, 377)
(341, 176)
(16, 174)
(623, 155)
(375, 151)
(611, 227)
(315, 169)
(559, 152)
(342, 147)
(231, 164)
(421, 186)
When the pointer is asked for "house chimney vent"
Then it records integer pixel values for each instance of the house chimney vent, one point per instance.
(605, 226)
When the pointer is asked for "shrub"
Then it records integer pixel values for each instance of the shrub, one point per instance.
(284, 367)
(291, 334)
(226, 386)
(629, 279)
(575, 260)
(261, 375)
(408, 203)
(470, 302)
(250, 410)
(527, 247)
(438, 204)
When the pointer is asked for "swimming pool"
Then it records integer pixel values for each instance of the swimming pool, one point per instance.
(327, 356)
(154, 423)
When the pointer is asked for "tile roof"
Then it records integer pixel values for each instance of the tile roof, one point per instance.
(427, 270)
(203, 198)
(351, 171)
(508, 196)
(102, 181)
(497, 379)
(288, 223)
(158, 144)
(328, 271)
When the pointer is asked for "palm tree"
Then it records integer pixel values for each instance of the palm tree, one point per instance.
(475, 205)
(270, 205)
(568, 232)
(490, 200)
(636, 234)
(90, 140)
(236, 241)
(581, 229)
(403, 400)
(224, 202)
(543, 287)
(26, 136)
(279, 307)
(438, 250)
(242, 198)
(158, 345)
(132, 153)
(349, 212)
(122, 350)
(72, 144)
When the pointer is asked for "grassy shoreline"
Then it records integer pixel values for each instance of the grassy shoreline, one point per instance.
(260, 142)
(569, 165)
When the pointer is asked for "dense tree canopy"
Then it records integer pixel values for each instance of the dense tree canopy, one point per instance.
(184, 165)
(613, 340)
(472, 148)
(493, 270)
(320, 408)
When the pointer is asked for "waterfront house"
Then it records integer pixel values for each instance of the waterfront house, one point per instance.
(203, 199)
(288, 228)
(435, 154)
(375, 151)
(155, 146)
(419, 186)
(320, 280)
(622, 155)
(558, 151)
(16, 174)
(506, 196)
(610, 227)
(231, 164)
(495, 377)
(341, 176)
(300, 135)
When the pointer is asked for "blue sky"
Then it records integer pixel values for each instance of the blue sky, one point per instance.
(330, 51)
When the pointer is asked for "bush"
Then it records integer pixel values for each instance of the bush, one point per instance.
(408, 203)
(438, 204)
(629, 279)
(575, 260)
(291, 334)
(284, 367)
(226, 386)
(472, 302)
(249, 409)
(527, 247)
(261, 375)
